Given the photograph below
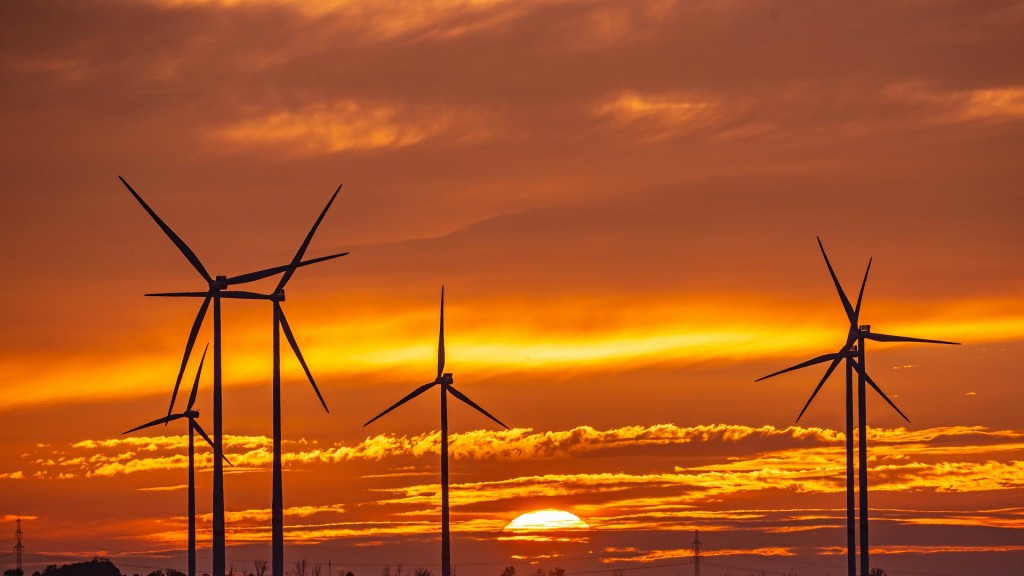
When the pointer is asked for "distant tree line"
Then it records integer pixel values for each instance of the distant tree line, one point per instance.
(95, 567)
(104, 567)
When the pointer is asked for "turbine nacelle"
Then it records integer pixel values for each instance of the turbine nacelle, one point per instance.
(446, 378)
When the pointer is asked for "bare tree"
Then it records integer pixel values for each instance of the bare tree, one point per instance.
(316, 570)
(509, 571)
(556, 571)
(300, 568)
(261, 567)
(422, 572)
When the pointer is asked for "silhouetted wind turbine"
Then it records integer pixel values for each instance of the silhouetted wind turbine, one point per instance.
(193, 427)
(217, 288)
(281, 324)
(444, 380)
(853, 352)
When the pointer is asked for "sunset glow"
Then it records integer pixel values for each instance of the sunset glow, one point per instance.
(623, 202)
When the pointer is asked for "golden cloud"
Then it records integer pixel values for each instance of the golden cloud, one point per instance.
(339, 126)
(997, 104)
(1005, 103)
(939, 549)
(388, 20)
(635, 555)
(657, 116)
(894, 451)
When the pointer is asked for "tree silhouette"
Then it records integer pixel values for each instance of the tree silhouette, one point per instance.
(95, 567)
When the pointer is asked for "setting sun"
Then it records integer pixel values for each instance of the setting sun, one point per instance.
(548, 519)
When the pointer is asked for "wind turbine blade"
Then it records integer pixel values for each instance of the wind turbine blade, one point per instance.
(196, 325)
(410, 396)
(862, 372)
(243, 295)
(466, 399)
(298, 354)
(195, 385)
(254, 276)
(163, 420)
(860, 296)
(180, 294)
(842, 295)
(890, 338)
(195, 426)
(440, 339)
(185, 250)
(831, 367)
(305, 244)
(810, 362)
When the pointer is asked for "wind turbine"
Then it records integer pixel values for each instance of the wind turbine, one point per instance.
(444, 380)
(281, 324)
(193, 427)
(217, 288)
(853, 352)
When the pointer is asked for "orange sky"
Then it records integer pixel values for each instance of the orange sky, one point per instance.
(622, 201)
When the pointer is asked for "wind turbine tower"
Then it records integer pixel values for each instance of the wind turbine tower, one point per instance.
(19, 548)
(445, 381)
(696, 552)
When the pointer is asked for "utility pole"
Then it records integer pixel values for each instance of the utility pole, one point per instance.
(19, 548)
(696, 552)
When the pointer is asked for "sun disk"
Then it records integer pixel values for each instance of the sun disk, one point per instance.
(548, 519)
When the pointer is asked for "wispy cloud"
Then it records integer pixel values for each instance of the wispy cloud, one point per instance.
(937, 549)
(428, 18)
(348, 125)
(1003, 104)
(688, 477)
(658, 116)
(644, 556)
